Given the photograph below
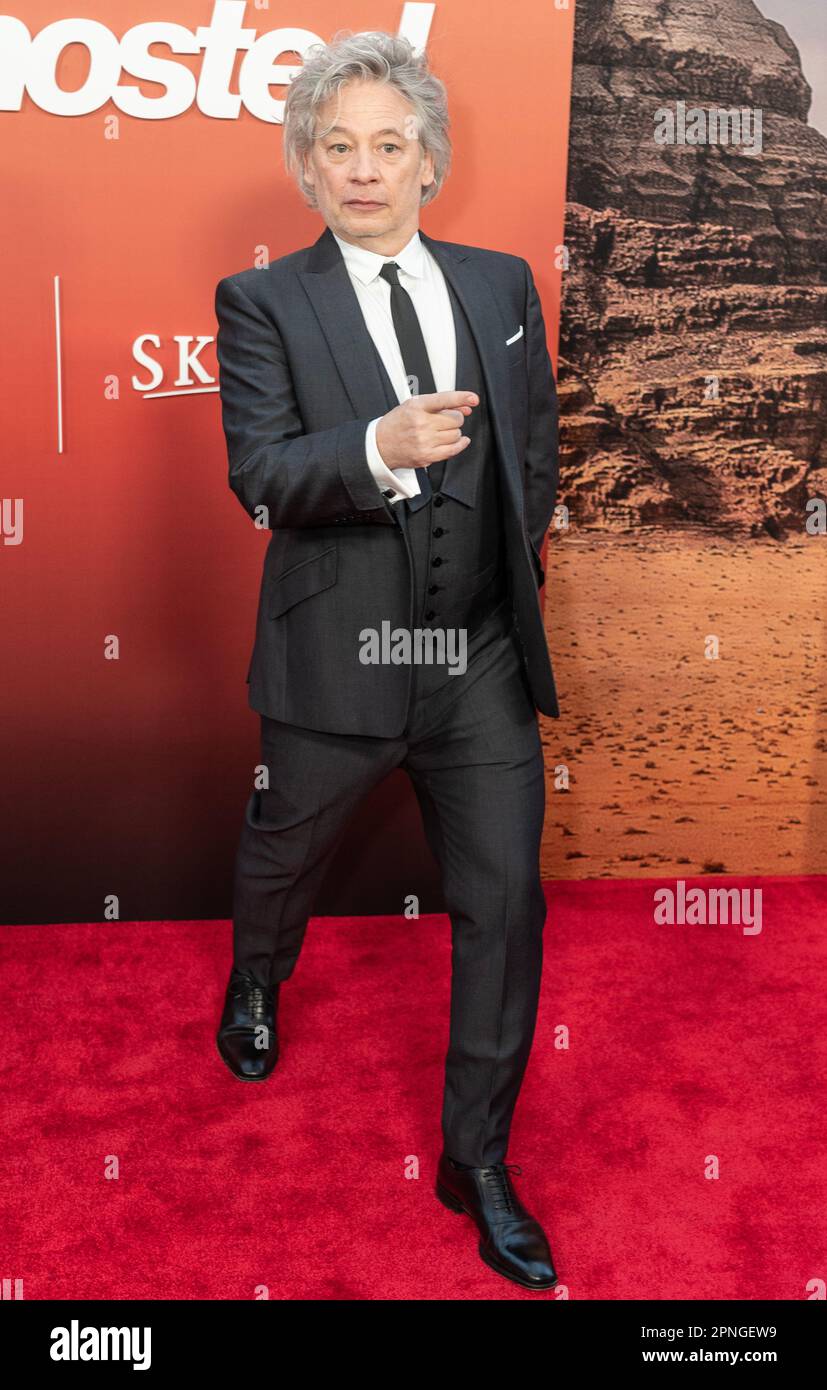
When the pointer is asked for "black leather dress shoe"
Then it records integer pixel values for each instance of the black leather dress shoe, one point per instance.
(247, 1038)
(512, 1242)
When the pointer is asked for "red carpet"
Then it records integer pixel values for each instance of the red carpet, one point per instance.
(685, 1042)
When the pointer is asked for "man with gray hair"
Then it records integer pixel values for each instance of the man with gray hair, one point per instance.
(348, 370)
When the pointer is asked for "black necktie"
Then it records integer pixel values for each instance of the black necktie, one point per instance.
(414, 352)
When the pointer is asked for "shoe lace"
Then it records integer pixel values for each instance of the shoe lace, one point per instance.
(256, 997)
(498, 1181)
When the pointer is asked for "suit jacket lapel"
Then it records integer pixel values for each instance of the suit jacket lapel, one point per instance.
(490, 333)
(327, 283)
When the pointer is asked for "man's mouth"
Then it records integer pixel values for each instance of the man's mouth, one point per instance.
(366, 203)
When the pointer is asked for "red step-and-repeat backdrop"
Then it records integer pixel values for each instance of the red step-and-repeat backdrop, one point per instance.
(141, 161)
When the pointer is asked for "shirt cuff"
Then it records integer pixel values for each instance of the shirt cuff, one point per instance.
(396, 484)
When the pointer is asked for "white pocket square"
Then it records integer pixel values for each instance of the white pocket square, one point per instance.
(517, 335)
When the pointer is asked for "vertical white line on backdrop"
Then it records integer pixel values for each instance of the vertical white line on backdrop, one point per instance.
(59, 370)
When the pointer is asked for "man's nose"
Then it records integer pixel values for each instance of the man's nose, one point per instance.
(364, 165)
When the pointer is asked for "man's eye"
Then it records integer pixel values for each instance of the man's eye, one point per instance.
(390, 146)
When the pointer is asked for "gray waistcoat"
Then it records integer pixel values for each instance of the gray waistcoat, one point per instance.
(456, 536)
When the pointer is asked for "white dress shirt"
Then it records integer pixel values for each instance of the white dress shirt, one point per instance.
(420, 275)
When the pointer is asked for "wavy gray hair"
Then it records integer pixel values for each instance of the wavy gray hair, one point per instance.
(371, 56)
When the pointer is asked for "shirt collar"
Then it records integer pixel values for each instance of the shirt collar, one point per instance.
(366, 265)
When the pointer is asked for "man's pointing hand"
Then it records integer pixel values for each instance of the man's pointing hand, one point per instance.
(425, 429)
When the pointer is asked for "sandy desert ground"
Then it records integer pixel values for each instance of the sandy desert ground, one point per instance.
(678, 763)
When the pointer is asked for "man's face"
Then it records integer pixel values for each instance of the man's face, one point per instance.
(369, 170)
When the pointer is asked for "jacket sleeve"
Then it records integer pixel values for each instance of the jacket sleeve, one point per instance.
(302, 479)
(541, 464)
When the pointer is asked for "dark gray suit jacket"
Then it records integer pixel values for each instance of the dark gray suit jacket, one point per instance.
(300, 379)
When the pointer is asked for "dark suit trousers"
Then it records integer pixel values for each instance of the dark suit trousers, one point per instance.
(472, 750)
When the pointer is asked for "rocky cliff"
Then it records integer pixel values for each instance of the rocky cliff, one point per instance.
(693, 367)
